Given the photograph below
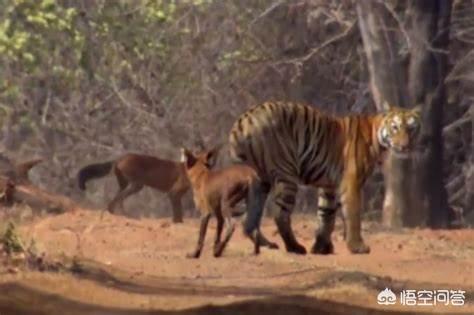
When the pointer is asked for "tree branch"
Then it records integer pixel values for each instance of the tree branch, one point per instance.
(300, 60)
(457, 123)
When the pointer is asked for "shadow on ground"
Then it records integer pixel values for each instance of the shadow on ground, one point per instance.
(118, 279)
(19, 299)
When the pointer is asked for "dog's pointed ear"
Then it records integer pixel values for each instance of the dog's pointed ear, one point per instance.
(212, 155)
(182, 154)
(187, 157)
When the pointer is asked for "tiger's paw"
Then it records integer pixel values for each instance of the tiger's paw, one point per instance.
(272, 245)
(296, 249)
(358, 247)
(322, 246)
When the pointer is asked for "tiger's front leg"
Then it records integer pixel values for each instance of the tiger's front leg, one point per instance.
(351, 204)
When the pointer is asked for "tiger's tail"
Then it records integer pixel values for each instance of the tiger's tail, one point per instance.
(93, 171)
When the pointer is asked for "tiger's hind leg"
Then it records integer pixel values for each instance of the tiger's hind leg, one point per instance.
(263, 241)
(282, 203)
(327, 209)
(258, 238)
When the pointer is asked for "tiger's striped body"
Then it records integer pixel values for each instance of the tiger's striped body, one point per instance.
(290, 144)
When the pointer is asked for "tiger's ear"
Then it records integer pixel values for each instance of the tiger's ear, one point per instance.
(417, 109)
(386, 106)
(187, 157)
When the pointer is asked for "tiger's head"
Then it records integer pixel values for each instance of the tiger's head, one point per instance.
(399, 129)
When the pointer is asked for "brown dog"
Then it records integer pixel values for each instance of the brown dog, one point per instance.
(218, 192)
(135, 171)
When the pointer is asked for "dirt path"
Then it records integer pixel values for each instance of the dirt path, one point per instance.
(132, 266)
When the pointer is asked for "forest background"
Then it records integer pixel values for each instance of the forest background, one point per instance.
(84, 81)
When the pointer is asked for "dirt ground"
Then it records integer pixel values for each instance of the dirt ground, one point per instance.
(131, 266)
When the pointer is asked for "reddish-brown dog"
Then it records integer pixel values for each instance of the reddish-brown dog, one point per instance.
(217, 192)
(134, 171)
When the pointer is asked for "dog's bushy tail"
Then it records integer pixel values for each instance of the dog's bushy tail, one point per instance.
(93, 171)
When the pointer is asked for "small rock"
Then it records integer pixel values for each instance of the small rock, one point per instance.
(19, 257)
(13, 270)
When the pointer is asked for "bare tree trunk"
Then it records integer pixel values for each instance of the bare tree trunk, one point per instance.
(429, 38)
(409, 200)
(385, 64)
(469, 199)
(387, 78)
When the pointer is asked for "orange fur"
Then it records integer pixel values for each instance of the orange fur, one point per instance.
(290, 144)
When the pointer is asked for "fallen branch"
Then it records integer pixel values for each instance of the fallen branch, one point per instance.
(15, 187)
(35, 197)
(22, 169)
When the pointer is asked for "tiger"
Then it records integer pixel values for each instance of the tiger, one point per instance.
(292, 143)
